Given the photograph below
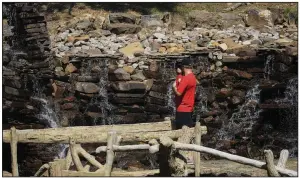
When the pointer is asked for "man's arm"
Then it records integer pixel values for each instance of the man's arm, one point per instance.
(181, 87)
(175, 90)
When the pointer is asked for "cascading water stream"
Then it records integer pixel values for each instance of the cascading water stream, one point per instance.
(269, 66)
(244, 118)
(171, 99)
(289, 116)
(47, 112)
(104, 105)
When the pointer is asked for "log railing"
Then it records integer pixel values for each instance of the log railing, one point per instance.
(172, 154)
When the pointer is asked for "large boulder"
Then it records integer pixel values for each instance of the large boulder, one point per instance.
(128, 86)
(131, 49)
(207, 19)
(123, 18)
(123, 28)
(139, 76)
(86, 87)
(151, 21)
(258, 18)
(121, 74)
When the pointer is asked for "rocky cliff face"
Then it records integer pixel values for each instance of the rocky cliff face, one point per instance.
(118, 69)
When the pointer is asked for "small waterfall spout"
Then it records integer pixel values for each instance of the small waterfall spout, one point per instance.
(244, 118)
(171, 99)
(47, 113)
(269, 63)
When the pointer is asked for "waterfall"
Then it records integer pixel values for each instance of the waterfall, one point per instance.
(269, 64)
(47, 113)
(289, 116)
(171, 99)
(104, 105)
(244, 118)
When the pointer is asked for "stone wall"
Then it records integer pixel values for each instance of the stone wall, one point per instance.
(119, 70)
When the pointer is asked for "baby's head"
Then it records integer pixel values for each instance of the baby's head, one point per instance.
(178, 68)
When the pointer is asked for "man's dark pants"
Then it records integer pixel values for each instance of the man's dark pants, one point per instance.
(183, 118)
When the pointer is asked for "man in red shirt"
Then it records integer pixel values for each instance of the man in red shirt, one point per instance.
(186, 91)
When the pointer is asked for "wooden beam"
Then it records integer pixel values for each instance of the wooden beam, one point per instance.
(284, 155)
(34, 134)
(110, 153)
(272, 172)
(197, 154)
(93, 134)
(235, 158)
(67, 173)
(14, 151)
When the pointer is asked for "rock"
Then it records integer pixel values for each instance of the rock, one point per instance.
(129, 69)
(259, 18)
(84, 47)
(132, 48)
(13, 81)
(239, 73)
(72, 39)
(68, 106)
(144, 34)
(219, 64)
(219, 56)
(235, 100)
(139, 76)
(153, 66)
(224, 93)
(178, 23)
(123, 18)
(208, 119)
(84, 25)
(70, 68)
(291, 51)
(283, 41)
(85, 87)
(151, 21)
(212, 67)
(58, 91)
(128, 86)
(247, 42)
(121, 74)
(120, 28)
(149, 84)
(223, 47)
(155, 46)
(162, 49)
(16, 92)
(159, 35)
(280, 67)
(145, 43)
(205, 19)
(135, 65)
(210, 55)
(239, 93)
(94, 115)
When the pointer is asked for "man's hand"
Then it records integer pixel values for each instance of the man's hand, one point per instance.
(174, 84)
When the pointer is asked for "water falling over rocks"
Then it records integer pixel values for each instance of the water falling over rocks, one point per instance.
(242, 97)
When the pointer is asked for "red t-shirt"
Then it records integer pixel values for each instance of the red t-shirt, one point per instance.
(178, 98)
(187, 87)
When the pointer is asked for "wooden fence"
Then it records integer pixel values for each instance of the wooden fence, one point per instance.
(156, 138)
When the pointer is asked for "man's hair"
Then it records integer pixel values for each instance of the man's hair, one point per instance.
(188, 66)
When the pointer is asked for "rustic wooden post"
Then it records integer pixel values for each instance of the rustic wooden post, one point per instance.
(14, 152)
(270, 164)
(284, 155)
(75, 156)
(197, 142)
(111, 137)
(56, 167)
